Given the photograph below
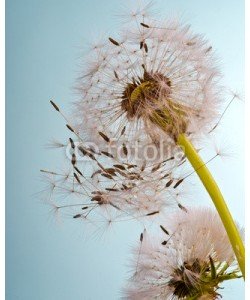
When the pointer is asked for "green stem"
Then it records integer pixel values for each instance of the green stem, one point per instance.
(219, 202)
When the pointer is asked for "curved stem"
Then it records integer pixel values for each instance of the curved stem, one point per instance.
(218, 200)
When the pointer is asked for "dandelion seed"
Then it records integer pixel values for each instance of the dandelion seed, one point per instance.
(178, 183)
(110, 171)
(104, 137)
(96, 173)
(145, 47)
(124, 149)
(111, 190)
(70, 128)
(77, 216)
(171, 158)
(131, 166)
(144, 25)
(153, 213)
(82, 150)
(121, 167)
(156, 168)
(77, 178)
(115, 206)
(54, 105)
(116, 75)
(123, 130)
(107, 176)
(164, 230)
(73, 159)
(143, 166)
(165, 176)
(107, 154)
(182, 207)
(209, 49)
(169, 183)
(50, 172)
(114, 42)
(72, 143)
(78, 171)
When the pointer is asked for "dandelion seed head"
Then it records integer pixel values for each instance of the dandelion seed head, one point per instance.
(158, 79)
(177, 264)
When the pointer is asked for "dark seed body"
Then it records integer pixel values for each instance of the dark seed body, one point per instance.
(104, 136)
(54, 105)
(144, 25)
(107, 176)
(77, 178)
(110, 171)
(116, 75)
(164, 230)
(123, 130)
(82, 150)
(77, 216)
(169, 183)
(141, 237)
(156, 168)
(182, 207)
(78, 171)
(112, 190)
(153, 213)
(178, 183)
(114, 42)
(124, 149)
(69, 127)
(121, 167)
(72, 143)
(73, 159)
(107, 154)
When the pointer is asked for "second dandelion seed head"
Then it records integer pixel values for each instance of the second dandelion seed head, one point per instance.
(189, 261)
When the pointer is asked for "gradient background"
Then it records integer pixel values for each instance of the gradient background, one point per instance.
(51, 261)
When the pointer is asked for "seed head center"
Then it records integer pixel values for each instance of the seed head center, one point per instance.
(149, 98)
(144, 95)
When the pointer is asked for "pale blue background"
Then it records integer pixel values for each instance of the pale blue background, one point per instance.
(47, 261)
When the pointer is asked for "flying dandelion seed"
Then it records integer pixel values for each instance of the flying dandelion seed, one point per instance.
(189, 261)
(102, 185)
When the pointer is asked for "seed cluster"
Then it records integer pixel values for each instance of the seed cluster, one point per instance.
(104, 187)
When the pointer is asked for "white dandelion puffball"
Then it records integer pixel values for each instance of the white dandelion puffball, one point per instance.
(155, 80)
(190, 259)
